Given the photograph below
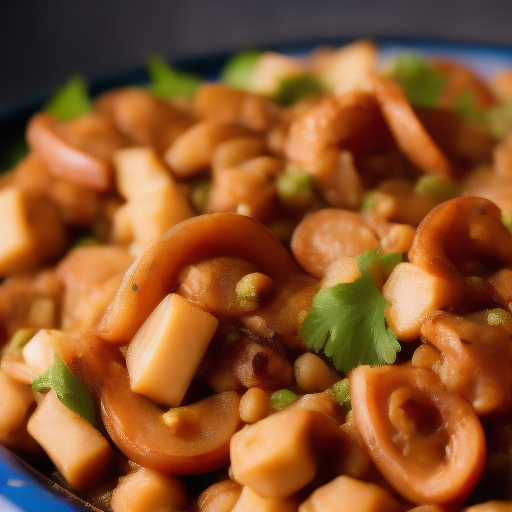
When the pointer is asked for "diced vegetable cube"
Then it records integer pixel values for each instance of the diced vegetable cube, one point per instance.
(250, 501)
(166, 351)
(15, 400)
(414, 293)
(149, 491)
(345, 494)
(274, 457)
(78, 450)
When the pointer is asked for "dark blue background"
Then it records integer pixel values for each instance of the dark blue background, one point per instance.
(43, 41)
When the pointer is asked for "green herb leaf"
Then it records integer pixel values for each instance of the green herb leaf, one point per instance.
(70, 391)
(422, 83)
(296, 88)
(388, 262)
(167, 82)
(347, 322)
(282, 398)
(464, 106)
(238, 70)
(70, 101)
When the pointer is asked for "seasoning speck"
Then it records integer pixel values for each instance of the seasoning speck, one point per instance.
(135, 287)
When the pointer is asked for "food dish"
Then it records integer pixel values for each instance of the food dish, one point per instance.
(134, 302)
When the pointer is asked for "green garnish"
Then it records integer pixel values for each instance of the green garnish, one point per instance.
(296, 88)
(20, 338)
(440, 188)
(70, 391)
(295, 189)
(167, 82)
(342, 393)
(465, 107)
(70, 101)
(282, 398)
(347, 321)
(421, 82)
(238, 70)
(389, 261)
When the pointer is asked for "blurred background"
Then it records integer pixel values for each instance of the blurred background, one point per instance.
(43, 41)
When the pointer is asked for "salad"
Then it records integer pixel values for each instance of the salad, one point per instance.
(286, 290)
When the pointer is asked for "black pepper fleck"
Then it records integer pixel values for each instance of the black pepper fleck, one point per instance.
(135, 287)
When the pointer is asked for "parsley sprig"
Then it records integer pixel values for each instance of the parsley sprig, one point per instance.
(347, 322)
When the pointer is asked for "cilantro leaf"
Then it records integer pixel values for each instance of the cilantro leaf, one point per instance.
(70, 101)
(238, 70)
(295, 88)
(347, 321)
(167, 82)
(70, 391)
(421, 82)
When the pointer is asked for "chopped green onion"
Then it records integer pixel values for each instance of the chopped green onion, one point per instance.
(70, 391)
(238, 70)
(295, 189)
(295, 88)
(282, 398)
(440, 188)
(342, 393)
(70, 101)
(167, 82)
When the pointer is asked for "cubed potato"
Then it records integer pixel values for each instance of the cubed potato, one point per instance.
(31, 231)
(166, 351)
(274, 457)
(40, 351)
(15, 400)
(154, 213)
(414, 293)
(250, 501)
(76, 448)
(345, 494)
(139, 172)
(146, 490)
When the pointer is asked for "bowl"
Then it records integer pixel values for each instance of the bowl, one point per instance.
(23, 489)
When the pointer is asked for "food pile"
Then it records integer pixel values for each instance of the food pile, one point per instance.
(286, 290)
